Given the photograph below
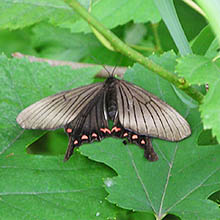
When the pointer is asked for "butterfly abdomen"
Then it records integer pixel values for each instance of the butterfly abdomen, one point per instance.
(110, 99)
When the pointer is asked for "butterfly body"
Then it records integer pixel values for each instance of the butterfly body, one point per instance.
(111, 98)
(85, 112)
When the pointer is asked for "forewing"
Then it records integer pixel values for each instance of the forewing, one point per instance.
(145, 114)
(58, 110)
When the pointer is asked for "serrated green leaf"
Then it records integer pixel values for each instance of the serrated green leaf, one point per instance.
(113, 13)
(183, 178)
(22, 13)
(43, 187)
(202, 70)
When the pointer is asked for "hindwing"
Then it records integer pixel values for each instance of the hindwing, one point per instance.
(90, 125)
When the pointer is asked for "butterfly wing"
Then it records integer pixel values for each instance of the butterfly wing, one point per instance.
(144, 113)
(90, 124)
(58, 110)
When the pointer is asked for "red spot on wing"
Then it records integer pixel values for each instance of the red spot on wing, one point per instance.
(69, 130)
(105, 130)
(102, 130)
(84, 137)
(94, 135)
(143, 141)
(115, 129)
(75, 142)
(125, 134)
(134, 137)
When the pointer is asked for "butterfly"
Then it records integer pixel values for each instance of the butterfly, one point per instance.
(84, 113)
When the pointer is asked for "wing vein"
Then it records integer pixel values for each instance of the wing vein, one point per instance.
(127, 105)
(168, 115)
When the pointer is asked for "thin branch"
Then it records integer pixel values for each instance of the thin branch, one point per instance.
(74, 65)
(156, 36)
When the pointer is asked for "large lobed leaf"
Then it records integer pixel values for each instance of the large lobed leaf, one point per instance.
(185, 175)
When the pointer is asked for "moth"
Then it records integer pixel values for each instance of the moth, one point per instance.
(84, 113)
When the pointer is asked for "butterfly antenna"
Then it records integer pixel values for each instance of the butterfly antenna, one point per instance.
(106, 70)
(119, 61)
(112, 74)
(96, 61)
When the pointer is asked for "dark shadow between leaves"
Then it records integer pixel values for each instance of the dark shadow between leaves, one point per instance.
(206, 138)
(52, 143)
(215, 197)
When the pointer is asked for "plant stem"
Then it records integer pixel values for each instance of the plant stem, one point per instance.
(156, 36)
(132, 54)
(143, 48)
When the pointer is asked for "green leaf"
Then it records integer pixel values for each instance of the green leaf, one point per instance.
(36, 186)
(190, 20)
(43, 187)
(113, 13)
(14, 41)
(201, 70)
(211, 9)
(22, 13)
(60, 44)
(183, 178)
(213, 50)
(168, 13)
(203, 41)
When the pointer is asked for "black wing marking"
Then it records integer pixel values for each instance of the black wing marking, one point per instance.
(145, 114)
(58, 110)
(91, 124)
(133, 137)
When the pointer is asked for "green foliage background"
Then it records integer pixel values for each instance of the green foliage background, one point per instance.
(108, 180)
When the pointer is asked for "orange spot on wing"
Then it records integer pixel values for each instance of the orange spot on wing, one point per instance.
(143, 141)
(94, 135)
(104, 130)
(125, 134)
(115, 129)
(84, 137)
(134, 137)
(69, 130)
